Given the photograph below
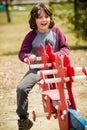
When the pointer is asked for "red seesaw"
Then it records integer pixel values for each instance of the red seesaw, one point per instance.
(58, 99)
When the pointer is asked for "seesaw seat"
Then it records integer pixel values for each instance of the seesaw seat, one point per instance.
(54, 95)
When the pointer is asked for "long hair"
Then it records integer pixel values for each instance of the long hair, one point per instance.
(35, 12)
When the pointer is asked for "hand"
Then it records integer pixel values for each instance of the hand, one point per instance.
(32, 58)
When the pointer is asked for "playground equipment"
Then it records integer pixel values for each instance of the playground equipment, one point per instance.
(58, 99)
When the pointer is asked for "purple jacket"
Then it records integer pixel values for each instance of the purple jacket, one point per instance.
(55, 35)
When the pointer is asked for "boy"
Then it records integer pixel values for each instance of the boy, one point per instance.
(43, 32)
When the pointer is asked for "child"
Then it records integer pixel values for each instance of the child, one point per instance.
(43, 32)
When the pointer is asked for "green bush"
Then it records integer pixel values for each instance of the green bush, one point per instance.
(80, 21)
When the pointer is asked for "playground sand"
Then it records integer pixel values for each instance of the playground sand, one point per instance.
(12, 70)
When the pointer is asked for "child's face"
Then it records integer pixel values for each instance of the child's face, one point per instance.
(43, 22)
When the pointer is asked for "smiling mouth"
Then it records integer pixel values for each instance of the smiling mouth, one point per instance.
(44, 24)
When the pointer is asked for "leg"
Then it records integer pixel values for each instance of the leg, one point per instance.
(23, 89)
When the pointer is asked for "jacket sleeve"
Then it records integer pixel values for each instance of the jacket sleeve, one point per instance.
(26, 47)
(62, 43)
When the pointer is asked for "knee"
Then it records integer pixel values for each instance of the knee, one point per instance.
(23, 89)
(19, 89)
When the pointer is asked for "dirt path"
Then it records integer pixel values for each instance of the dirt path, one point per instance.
(11, 71)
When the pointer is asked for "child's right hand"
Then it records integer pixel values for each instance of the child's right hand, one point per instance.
(31, 58)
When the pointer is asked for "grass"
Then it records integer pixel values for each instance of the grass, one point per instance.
(12, 34)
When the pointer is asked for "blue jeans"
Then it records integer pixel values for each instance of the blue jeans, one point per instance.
(23, 89)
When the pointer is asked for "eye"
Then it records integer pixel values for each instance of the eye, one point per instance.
(47, 16)
(39, 17)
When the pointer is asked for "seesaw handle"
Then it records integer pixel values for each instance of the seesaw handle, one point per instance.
(66, 79)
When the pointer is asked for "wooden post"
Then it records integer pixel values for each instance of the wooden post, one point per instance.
(7, 10)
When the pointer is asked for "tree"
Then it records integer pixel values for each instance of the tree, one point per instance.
(7, 3)
(80, 7)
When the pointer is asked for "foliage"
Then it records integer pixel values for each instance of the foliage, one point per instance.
(12, 34)
(82, 18)
(76, 13)
(79, 19)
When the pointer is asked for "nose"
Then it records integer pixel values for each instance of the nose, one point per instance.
(43, 18)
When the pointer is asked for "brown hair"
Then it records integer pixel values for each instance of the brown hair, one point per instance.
(35, 12)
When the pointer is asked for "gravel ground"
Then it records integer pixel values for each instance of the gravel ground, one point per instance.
(12, 70)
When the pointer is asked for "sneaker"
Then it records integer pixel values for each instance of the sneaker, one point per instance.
(25, 124)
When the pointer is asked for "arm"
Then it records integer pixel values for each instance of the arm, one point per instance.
(62, 43)
(26, 47)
